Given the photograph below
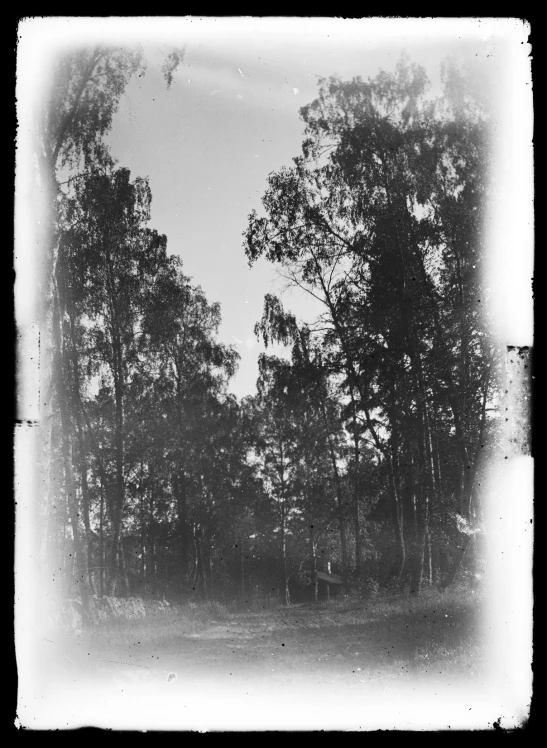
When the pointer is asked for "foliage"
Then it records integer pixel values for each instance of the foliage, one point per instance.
(362, 455)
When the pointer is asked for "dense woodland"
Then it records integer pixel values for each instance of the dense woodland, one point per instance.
(362, 453)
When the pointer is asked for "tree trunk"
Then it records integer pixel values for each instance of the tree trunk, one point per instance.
(118, 497)
(340, 508)
(88, 548)
(428, 561)
(414, 532)
(436, 451)
(404, 263)
(142, 528)
(194, 558)
(399, 556)
(457, 560)
(152, 562)
(66, 442)
(123, 568)
(356, 496)
(468, 490)
(349, 365)
(101, 542)
(313, 556)
(283, 539)
(179, 482)
(202, 583)
(285, 580)
(394, 494)
(241, 572)
(80, 564)
(210, 551)
(81, 443)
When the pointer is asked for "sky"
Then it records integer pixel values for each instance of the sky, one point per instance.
(231, 117)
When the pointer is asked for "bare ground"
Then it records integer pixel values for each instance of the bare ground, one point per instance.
(347, 650)
(347, 642)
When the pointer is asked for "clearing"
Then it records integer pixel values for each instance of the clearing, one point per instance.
(300, 660)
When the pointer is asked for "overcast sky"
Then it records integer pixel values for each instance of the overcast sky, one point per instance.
(231, 117)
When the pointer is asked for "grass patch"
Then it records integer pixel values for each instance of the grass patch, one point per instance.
(433, 635)
(185, 620)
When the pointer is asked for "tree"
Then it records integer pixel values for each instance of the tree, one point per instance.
(72, 119)
(277, 445)
(366, 221)
(304, 383)
(192, 373)
(111, 259)
(137, 330)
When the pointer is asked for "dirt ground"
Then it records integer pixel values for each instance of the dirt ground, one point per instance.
(303, 657)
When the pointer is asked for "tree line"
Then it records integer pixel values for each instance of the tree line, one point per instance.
(363, 451)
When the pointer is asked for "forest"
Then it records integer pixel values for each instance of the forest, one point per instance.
(357, 465)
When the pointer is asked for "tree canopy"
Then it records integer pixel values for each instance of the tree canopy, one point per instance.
(362, 453)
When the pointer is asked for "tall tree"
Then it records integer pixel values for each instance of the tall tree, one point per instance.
(112, 259)
(304, 384)
(277, 445)
(363, 222)
(72, 119)
(191, 376)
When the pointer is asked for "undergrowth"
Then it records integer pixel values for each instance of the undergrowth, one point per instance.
(188, 619)
(432, 633)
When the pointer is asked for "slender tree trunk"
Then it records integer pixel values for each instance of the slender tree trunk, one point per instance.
(118, 497)
(418, 510)
(66, 440)
(241, 572)
(101, 541)
(430, 454)
(394, 494)
(469, 483)
(403, 266)
(80, 565)
(313, 557)
(428, 561)
(152, 540)
(88, 547)
(179, 482)
(202, 582)
(436, 451)
(425, 475)
(123, 567)
(283, 519)
(82, 461)
(339, 502)
(341, 518)
(285, 580)
(456, 561)
(210, 551)
(194, 557)
(356, 495)
(355, 381)
(399, 556)
(142, 528)
(412, 567)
